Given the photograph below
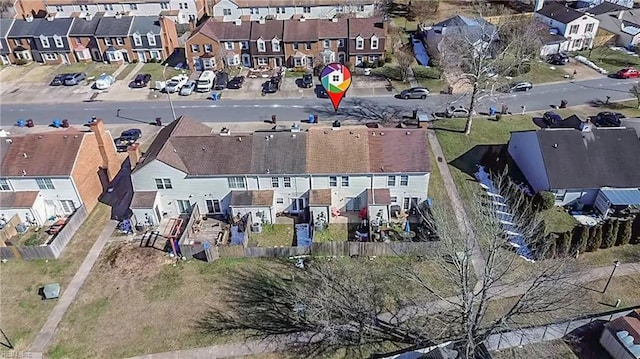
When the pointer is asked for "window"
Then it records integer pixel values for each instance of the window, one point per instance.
(345, 181)
(50, 57)
(306, 10)
(577, 43)
(59, 8)
(326, 43)
(394, 199)
(333, 181)
(45, 183)
(573, 29)
(391, 181)
(339, 8)
(133, 6)
(261, 47)
(226, 12)
(374, 43)
(163, 183)
(119, 41)
(245, 45)
(228, 45)
(108, 7)
(181, 6)
(589, 28)
(186, 5)
(308, 46)
(297, 62)
(213, 206)
(84, 8)
(280, 10)
(4, 185)
(152, 39)
(294, 45)
(44, 41)
(279, 200)
(404, 180)
(254, 11)
(208, 48)
(262, 61)
(236, 182)
(374, 58)
(137, 40)
(275, 45)
(67, 206)
(405, 203)
(359, 43)
(155, 54)
(360, 8)
(275, 182)
(287, 182)
(107, 41)
(111, 56)
(164, 5)
(195, 48)
(17, 42)
(184, 206)
(340, 42)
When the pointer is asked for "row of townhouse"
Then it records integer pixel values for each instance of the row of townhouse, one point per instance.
(292, 43)
(270, 172)
(180, 11)
(92, 38)
(230, 10)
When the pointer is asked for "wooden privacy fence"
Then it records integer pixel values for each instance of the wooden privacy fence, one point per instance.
(53, 249)
(9, 230)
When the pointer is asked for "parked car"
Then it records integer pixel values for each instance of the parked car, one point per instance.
(456, 112)
(58, 80)
(221, 80)
(558, 59)
(127, 138)
(188, 88)
(75, 79)
(551, 118)
(306, 81)
(175, 83)
(236, 83)
(415, 92)
(608, 119)
(321, 92)
(141, 80)
(269, 87)
(104, 81)
(628, 73)
(518, 86)
(132, 134)
(205, 81)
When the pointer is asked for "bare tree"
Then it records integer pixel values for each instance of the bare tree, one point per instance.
(423, 10)
(404, 58)
(635, 91)
(5, 5)
(478, 54)
(356, 305)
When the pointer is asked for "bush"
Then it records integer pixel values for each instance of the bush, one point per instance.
(583, 239)
(564, 243)
(608, 237)
(624, 235)
(381, 62)
(134, 61)
(595, 241)
(544, 200)
(21, 62)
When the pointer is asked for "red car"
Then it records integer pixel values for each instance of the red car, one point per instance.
(628, 73)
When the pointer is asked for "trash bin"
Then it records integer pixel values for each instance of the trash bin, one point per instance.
(56, 123)
(415, 114)
(505, 109)
(310, 118)
(65, 123)
(492, 111)
(20, 123)
(563, 104)
(274, 119)
(215, 96)
(315, 118)
(158, 121)
(30, 123)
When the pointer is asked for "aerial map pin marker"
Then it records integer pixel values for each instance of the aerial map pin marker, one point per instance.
(336, 79)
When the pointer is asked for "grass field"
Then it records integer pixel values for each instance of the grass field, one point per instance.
(335, 232)
(23, 311)
(127, 70)
(155, 70)
(611, 60)
(273, 235)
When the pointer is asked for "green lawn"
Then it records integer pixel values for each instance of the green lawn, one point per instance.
(155, 70)
(557, 220)
(542, 72)
(335, 232)
(127, 70)
(77, 67)
(427, 77)
(403, 23)
(294, 74)
(273, 235)
(99, 68)
(611, 60)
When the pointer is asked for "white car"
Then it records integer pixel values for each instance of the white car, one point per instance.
(175, 83)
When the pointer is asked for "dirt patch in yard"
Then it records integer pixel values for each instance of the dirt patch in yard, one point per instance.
(40, 73)
(15, 72)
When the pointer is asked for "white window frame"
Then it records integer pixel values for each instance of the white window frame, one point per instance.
(45, 183)
(208, 48)
(84, 8)
(295, 45)
(573, 29)
(286, 181)
(275, 182)
(394, 199)
(340, 42)
(280, 10)
(228, 45)
(275, 45)
(391, 181)
(374, 41)
(119, 41)
(404, 180)
(333, 181)
(186, 5)
(68, 206)
(4, 185)
(155, 54)
(236, 182)
(254, 11)
(60, 8)
(164, 5)
(307, 46)
(306, 9)
(244, 45)
(326, 44)
(374, 58)
(340, 8)
(195, 48)
(279, 200)
(137, 40)
(151, 38)
(589, 27)
(360, 8)
(50, 56)
(58, 41)
(406, 203)
(261, 46)
(344, 181)
(359, 43)
(107, 41)
(163, 183)
(44, 41)
(226, 12)
(263, 61)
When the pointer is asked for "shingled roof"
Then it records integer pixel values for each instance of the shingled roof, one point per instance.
(111, 26)
(19, 199)
(559, 12)
(300, 31)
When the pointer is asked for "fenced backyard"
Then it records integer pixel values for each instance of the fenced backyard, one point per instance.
(53, 249)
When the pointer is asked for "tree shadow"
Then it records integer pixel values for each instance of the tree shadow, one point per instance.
(365, 110)
(585, 341)
(494, 158)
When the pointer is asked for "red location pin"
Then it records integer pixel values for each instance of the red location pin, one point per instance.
(336, 79)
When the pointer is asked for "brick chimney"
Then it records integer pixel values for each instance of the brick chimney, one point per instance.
(134, 154)
(107, 148)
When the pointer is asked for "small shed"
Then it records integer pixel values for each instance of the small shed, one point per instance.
(612, 200)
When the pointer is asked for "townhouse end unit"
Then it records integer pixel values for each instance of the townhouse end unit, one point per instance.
(268, 173)
(254, 10)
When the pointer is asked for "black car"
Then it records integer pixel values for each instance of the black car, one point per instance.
(141, 80)
(59, 80)
(235, 83)
(608, 119)
(307, 81)
(132, 134)
(220, 83)
(551, 118)
(269, 87)
(127, 138)
(558, 59)
(321, 92)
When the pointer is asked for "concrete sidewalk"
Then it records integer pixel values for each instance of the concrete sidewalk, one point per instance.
(69, 294)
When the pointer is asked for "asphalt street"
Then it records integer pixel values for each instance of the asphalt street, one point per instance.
(541, 97)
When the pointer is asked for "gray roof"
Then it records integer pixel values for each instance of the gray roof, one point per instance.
(5, 25)
(110, 26)
(470, 29)
(279, 153)
(84, 27)
(629, 24)
(604, 7)
(56, 26)
(145, 24)
(559, 12)
(23, 28)
(582, 160)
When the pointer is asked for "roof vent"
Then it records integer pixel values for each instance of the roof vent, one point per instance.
(39, 137)
(271, 136)
(237, 21)
(65, 136)
(50, 17)
(373, 133)
(381, 133)
(555, 145)
(9, 141)
(293, 135)
(351, 132)
(408, 133)
(239, 139)
(261, 20)
(382, 168)
(118, 15)
(266, 138)
(175, 151)
(28, 17)
(268, 171)
(358, 135)
(25, 155)
(24, 172)
(334, 19)
(76, 136)
(203, 149)
(225, 132)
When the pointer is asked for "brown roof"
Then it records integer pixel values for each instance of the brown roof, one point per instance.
(143, 199)
(379, 196)
(170, 13)
(269, 30)
(341, 151)
(300, 31)
(629, 324)
(211, 155)
(251, 198)
(274, 3)
(20, 199)
(44, 154)
(398, 150)
(328, 29)
(222, 31)
(320, 197)
(366, 27)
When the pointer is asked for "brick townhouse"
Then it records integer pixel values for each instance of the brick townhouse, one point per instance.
(301, 42)
(266, 43)
(82, 39)
(367, 40)
(214, 44)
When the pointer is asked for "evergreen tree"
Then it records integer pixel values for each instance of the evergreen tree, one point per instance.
(625, 233)
(608, 236)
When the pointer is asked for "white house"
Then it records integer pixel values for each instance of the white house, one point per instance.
(270, 172)
(230, 10)
(577, 27)
(578, 165)
(52, 174)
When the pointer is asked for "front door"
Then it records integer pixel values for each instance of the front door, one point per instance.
(65, 58)
(246, 60)
(125, 55)
(342, 57)
(297, 205)
(95, 54)
(184, 206)
(141, 56)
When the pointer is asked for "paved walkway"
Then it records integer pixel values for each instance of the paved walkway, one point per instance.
(45, 335)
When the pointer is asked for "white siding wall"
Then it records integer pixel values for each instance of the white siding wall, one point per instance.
(586, 197)
(564, 29)
(300, 185)
(143, 9)
(317, 12)
(64, 189)
(525, 151)
(37, 212)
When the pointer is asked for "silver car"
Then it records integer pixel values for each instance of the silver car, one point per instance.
(188, 88)
(415, 92)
